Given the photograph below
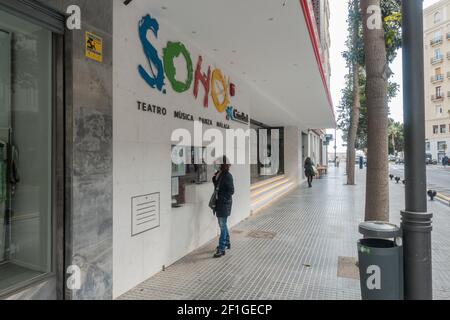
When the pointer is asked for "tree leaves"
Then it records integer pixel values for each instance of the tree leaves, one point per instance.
(392, 21)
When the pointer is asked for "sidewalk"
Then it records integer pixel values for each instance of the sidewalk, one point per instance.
(291, 250)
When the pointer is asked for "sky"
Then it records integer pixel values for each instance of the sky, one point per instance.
(338, 21)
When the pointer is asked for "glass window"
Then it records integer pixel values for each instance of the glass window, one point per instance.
(272, 142)
(441, 145)
(25, 150)
(437, 17)
(437, 54)
(428, 146)
(435, 129)
(188, 169)
(443, 128)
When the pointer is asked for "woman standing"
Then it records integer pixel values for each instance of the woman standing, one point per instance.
(309, 171)
(223, 182)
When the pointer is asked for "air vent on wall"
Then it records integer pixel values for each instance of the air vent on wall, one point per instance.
(145, 213)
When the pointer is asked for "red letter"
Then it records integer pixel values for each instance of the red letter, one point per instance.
(204, 79)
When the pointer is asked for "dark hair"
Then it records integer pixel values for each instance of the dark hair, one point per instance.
(308, 161)
(225, 165)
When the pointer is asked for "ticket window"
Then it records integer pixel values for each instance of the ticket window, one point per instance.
(184, 173)
(25, 151)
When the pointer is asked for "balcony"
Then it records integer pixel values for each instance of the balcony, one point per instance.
(437, 78)
(439, 58)
(437, 98)
(436, 41)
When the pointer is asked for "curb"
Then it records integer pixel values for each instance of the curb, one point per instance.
(443, 199)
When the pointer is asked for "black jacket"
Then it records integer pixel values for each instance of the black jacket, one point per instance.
(309, 170)
(226, 192)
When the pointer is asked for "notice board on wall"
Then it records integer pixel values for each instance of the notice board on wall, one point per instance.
(145, 213)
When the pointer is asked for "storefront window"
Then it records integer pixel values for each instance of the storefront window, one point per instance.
(25, 150)
(263, 169)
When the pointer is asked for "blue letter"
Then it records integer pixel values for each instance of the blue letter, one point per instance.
(147, 23)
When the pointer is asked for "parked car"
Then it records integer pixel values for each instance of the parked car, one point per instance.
(391, 158)
(429, 159)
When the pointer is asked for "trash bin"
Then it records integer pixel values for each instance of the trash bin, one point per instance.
(380, 255)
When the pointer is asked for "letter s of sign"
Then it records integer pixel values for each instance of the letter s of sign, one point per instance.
(74, 281)
(73, 21)
(374, 280)
(157, 81)
(374, 21)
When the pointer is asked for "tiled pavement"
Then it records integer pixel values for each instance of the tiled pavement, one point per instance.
(313, 228)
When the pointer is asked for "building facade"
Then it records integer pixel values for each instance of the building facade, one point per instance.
(437, 77)
(322, 14)
(98, 99)
(322, 18)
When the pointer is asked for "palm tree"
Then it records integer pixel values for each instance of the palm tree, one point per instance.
(395, 136)
(377, 75)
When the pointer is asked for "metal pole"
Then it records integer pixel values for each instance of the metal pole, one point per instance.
(416, 222)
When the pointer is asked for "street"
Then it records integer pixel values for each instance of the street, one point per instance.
(438, 177)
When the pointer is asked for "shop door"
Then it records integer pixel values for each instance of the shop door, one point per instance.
(25, 152)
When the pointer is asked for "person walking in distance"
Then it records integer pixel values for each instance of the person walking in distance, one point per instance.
(223, 182)
(309, 171)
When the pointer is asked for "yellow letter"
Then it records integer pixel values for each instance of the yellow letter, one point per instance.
(217, 77)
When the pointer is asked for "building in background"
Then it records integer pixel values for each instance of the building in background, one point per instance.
(437, 79)
(322, 17)
(89, 195)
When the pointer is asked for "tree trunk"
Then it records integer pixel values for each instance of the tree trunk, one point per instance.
(394, 147)
(354, 114)
(377, 189)
(353, 130)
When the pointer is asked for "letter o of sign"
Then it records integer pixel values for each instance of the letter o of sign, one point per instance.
(172, 51)
(218, 78)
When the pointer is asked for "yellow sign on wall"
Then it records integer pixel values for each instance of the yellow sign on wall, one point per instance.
(94, 47)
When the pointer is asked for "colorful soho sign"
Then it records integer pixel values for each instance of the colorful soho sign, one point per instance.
(213, 82)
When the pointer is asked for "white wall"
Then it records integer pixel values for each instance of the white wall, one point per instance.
(142, 158)
(293, 162)
(315, 148)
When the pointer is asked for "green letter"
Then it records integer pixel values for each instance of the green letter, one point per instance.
(172, 51)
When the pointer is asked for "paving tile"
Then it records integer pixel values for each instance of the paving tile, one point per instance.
(294, 251)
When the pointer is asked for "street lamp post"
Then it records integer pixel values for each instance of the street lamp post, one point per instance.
(416, 222)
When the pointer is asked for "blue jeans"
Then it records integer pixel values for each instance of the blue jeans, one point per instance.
(224, 239)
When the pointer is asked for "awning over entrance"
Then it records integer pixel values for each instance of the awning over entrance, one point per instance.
(271, 44)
